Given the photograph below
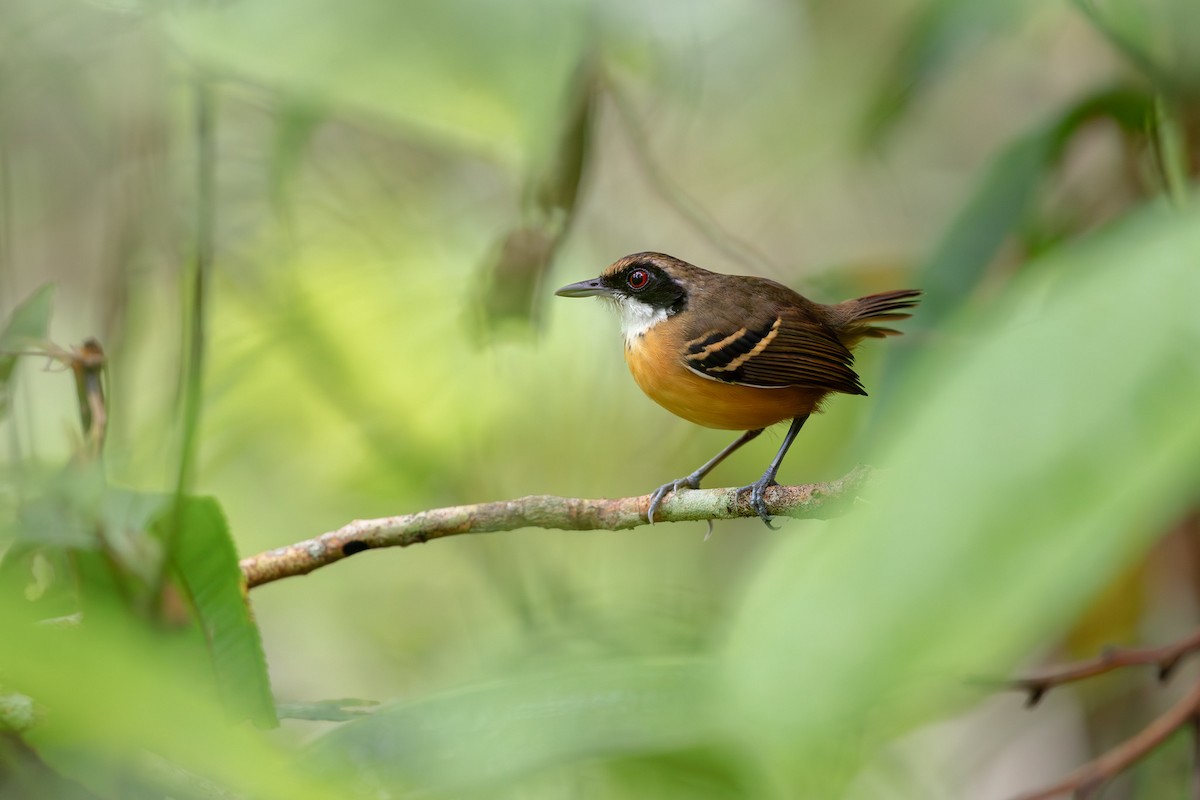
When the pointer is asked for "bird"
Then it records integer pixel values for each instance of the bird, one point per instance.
(736, 352)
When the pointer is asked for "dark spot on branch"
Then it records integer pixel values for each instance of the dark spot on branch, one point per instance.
(1167, 668)
(1036, 693)
(354, 546)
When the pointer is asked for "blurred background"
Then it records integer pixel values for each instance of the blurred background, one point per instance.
(380, 199)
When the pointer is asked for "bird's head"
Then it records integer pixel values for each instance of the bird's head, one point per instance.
(646, 288)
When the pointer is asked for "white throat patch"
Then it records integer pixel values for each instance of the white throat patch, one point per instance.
(636, 317)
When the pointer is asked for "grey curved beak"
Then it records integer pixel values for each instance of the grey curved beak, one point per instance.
(586, 288)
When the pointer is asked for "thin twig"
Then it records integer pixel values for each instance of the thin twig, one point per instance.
(812, 501)
(1120, 758)
(1166, 658)
(87, 363)
(692, 212)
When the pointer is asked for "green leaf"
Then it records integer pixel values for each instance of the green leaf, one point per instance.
(116, 692)
(1002, 201)
(27, 325)
(206, 561)
(1005, 196)
(1047, 446)
(493, 733)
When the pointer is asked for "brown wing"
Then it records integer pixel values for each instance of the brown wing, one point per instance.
(783, 349)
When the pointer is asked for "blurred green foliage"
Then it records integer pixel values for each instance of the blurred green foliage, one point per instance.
(395, 187)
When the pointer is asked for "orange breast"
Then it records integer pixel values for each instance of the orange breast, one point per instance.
(656, 367)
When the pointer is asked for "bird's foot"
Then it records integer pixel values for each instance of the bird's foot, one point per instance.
(690, 482)
(758, 501)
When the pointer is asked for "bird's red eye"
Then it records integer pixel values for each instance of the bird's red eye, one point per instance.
(638, 279)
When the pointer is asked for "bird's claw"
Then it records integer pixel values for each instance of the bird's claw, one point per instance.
(758, 500)
(690, 482)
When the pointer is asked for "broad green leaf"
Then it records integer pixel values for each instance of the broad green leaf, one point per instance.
(206, 561)
(114, 695)
(114, 557)
(26, 326)
(1050, 443)
(491, 734)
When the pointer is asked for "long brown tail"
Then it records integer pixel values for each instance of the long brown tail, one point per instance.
(877, 307)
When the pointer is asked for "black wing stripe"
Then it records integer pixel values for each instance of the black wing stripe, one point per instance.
(787, 352)
(747, 348)
(729, 353)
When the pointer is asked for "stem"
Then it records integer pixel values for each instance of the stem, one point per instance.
(194, 312)
(1165, 659)
(1120, 758)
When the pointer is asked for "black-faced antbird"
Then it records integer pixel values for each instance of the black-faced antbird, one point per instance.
(736, 352)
